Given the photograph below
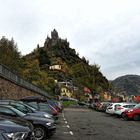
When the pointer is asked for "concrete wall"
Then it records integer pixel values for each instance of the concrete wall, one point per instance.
(9, 90)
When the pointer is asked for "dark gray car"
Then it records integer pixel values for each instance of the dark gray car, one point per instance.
(25, 108)
(43, 127)
(11, 129)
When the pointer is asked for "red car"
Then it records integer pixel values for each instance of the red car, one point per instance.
(133, 113)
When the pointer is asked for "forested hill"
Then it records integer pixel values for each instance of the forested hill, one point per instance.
(129, 84)
(37, 66)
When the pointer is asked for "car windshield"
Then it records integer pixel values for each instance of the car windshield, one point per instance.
(19, 113)
(30, 107)
(44, 107)
(32, 104)
(137, 106)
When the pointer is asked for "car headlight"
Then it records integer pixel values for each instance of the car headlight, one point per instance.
(130, 110)
(49, 123)
(47, 116)
(16, 136)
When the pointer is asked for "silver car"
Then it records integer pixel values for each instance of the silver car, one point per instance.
(111, 108)
(121, 107)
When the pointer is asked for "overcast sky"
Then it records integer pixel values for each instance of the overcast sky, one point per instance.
(106, 32)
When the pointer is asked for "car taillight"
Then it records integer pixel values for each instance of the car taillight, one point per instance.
(131, 110)
(119, 108)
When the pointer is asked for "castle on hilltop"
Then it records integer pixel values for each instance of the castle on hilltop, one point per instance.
(55, 40)
(54, 35)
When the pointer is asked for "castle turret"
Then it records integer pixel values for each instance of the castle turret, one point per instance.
(54, 34)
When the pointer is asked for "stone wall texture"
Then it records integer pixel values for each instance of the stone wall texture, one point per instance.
(10, 90)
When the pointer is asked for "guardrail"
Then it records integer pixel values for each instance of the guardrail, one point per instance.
(13, 77)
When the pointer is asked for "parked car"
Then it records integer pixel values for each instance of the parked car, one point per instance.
(41, 105)
(60, 106)
(57, 105)
(111, 108)
(45, 106)
(97, 105)
(25, 108)
(104, 106)
(121, 107)
(133, 113)
(12, 129)
(92, 105)
(43, 127)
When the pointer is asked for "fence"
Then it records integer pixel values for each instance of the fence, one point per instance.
(13, 77)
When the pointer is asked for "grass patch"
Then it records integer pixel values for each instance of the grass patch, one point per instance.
(69, 103)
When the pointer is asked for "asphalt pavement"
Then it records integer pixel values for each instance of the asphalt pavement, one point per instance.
(81, 123)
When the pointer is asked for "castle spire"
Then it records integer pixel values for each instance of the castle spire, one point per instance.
(54, 34)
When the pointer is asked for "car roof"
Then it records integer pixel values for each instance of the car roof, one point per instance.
(9, 106)
(124, 103)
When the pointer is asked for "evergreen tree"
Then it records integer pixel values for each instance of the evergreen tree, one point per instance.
(43, 57)
(9, 54)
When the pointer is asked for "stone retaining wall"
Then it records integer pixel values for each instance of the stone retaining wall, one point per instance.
(9, 90)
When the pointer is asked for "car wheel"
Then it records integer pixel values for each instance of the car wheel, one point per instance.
(39, 133)
(136, 117)
(122, 115)
(125, 117)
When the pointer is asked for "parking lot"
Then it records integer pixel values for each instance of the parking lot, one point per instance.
(81, 123)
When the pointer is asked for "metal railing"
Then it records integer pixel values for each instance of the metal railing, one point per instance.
(13, 77)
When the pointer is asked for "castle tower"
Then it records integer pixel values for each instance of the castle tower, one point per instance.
(54, 34)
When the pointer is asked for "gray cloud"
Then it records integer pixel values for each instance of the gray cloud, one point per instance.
(106, 32)
(122, 69)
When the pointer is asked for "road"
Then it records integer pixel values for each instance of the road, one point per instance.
(81, 123)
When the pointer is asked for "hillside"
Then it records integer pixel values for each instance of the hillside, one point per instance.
(54, 62)
(57, 51)
(129, 84)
